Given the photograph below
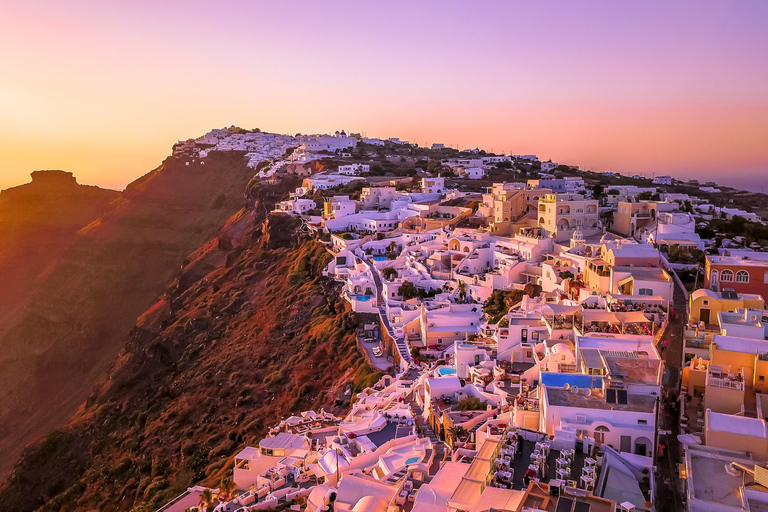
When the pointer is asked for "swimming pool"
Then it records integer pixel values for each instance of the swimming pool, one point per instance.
(412, 460)
(362, 298)
(379, 258)
(444, 370)
(558, 380)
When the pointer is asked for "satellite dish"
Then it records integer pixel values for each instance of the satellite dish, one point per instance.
(574, 389)
(566, 386)
(587, 392)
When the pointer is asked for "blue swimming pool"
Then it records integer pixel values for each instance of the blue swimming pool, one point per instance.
(444, 370)
(362, 298)
(379, 258)
(412, 460)
(558, 380)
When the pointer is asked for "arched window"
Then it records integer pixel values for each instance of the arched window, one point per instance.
(726, 276)
(713, 277)
(742, 276)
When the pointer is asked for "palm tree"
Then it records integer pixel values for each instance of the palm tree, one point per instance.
(462, 289)
(457, 432)
(206, 498)
(226, 488)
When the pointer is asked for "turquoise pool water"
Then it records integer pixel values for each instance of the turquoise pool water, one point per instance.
(466, 345)
(559, 380)
(444, 370)
(362, 298)
(412, 460)
(379, 258)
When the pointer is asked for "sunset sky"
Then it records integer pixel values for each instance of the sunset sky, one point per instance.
(103, 89)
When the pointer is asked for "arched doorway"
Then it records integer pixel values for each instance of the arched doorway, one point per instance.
(643, 446)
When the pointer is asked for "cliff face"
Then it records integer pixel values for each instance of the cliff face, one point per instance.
(77, 312)
(38, 222)
(247, 333)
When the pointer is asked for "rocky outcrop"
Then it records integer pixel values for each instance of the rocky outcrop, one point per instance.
(256, 338)
(80, 307)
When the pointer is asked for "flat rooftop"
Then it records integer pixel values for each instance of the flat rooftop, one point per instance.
(562, 397)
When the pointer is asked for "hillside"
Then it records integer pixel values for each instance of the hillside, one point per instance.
(38, 222)
(206, 369)
(78, 312)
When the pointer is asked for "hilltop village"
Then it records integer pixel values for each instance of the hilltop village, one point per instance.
(548, 339)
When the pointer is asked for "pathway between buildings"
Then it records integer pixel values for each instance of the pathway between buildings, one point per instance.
(400, 343)
(668, 496)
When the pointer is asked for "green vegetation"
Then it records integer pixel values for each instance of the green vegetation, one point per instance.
(471, 403)
(753, 232)
(499, 302)
(409, 291)
(389, 273)
(687, 255)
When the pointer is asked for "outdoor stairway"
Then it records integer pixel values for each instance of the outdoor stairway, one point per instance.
(400, 343)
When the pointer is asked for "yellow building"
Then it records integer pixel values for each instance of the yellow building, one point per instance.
(561, 214)
(737, 369)
(705, 304)
(630, 216)
(507, 207)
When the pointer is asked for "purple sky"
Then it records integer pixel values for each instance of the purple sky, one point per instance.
(103, 90)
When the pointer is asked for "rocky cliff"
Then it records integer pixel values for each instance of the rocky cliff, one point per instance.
(76, 313)
(248, 332)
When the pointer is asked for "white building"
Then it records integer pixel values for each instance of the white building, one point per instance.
(662, 180)
(353, 169)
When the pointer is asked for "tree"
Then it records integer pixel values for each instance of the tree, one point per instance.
(597, 191)
(470, 403)
(206, 498)
(644, 196)
(462, 290)
(389, 273)
(457, 432)
(226, 488)
(408, 290)
(434, 166)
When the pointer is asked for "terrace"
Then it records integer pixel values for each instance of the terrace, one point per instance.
(597, 321)
(525, 456)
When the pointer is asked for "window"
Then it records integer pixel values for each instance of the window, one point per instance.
(642, 422)
(762, 378)
(705, 303)
(742, 276)
(645, 291)
(439, 340)
(535, 335)
(726, 276)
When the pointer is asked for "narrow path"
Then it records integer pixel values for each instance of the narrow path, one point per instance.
(668, 497)
(400, 343)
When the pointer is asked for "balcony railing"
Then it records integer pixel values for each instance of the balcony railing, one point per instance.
(725, 383)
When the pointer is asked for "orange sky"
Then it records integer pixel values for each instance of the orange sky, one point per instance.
(104, 90)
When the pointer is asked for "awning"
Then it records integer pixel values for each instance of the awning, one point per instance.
(626, 280)
(631, 317)
(652, 299)
(599, 315)
(562, 309)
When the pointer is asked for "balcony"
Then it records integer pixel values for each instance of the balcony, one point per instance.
(724, 381)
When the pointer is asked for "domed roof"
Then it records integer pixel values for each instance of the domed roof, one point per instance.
(370, 504)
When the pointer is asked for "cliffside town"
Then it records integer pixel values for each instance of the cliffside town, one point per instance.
(384, 327)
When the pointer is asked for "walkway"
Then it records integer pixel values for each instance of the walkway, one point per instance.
(668, 496)
(400, 343)
(426, 428)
